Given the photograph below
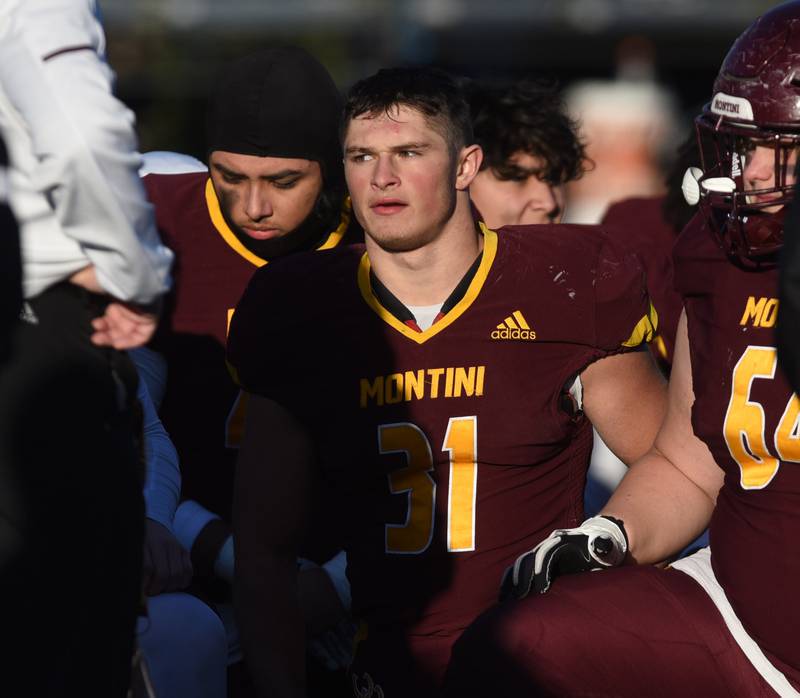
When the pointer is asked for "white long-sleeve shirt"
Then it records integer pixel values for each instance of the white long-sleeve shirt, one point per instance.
(74, 184)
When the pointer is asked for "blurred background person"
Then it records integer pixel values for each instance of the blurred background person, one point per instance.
(93, 273)
(531, 151)
(629, 125)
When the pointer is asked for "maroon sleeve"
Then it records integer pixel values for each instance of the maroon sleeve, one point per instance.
(267, 346)
(696, 253)
(639, 224)
(158, 193)
(253, 344)
(624, 316)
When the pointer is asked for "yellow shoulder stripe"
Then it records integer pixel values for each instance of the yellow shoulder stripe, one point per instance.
(645, 329)
(344, 221)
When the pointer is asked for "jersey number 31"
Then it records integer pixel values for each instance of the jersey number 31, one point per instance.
(461, 443)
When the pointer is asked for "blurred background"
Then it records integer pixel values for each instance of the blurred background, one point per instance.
(634, 71)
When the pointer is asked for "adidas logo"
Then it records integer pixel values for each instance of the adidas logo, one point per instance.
(514, 327)
(736, 169)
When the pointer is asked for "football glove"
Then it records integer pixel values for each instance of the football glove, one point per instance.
(597, 543)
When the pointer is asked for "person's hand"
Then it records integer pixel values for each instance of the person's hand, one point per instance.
(319, 602)
(124, 326)
(166, 565)
(334, 648)
(597, 543)
(330, 629)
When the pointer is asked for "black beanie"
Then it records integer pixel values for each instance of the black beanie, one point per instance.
(278, 102)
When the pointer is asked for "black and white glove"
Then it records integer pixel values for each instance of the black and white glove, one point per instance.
(597, 543)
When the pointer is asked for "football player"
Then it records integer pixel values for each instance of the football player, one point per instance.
(722, 622)
(531, 149)
(447, 425)
(274, 186)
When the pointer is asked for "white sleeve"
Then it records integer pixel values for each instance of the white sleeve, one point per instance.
(74, 145)
(169, 162)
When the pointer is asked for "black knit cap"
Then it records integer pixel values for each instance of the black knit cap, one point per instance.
(278, 102)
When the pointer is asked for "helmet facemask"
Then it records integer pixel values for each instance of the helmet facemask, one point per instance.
(746, 221)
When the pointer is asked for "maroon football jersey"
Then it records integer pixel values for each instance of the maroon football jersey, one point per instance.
(639, 224)
(448, 452)
(201, 409)
(746, 413)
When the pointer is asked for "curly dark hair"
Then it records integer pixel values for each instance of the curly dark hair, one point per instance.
(430, 91)
(528, 116)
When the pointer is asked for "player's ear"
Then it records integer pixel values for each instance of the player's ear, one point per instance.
(469, 163)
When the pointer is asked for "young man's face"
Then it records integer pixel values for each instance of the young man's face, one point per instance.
(759, 171)
(401, 175)
(521, 199)
(264, 198)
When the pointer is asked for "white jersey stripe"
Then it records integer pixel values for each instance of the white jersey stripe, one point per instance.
(698, 567)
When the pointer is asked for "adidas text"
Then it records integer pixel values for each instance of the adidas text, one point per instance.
(507, 333)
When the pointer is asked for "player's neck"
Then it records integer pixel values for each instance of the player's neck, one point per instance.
(428, 275)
